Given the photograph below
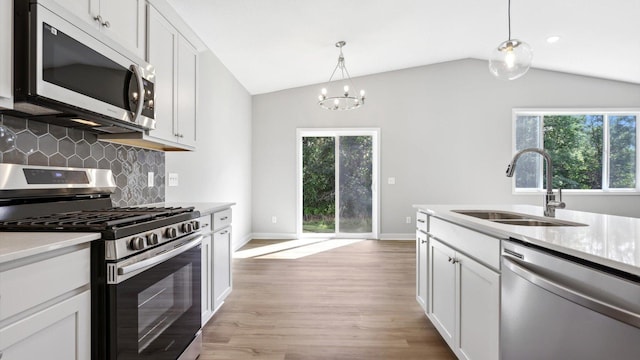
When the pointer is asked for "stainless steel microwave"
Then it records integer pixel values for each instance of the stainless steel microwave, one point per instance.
(67, 73)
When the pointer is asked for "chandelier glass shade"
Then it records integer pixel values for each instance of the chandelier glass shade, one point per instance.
(512, 58)
(341, 99)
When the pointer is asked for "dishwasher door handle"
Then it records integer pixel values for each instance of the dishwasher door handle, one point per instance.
(585, 300)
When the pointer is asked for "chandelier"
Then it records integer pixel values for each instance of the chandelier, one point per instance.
(341, 100)
(512, 58)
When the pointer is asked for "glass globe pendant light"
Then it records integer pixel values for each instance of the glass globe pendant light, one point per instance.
(512, 58)
(343, 100)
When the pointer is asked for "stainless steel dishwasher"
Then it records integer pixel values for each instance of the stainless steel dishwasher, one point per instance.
(557, 307)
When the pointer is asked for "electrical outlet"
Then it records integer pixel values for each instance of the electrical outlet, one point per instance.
(274, 219)
(173, 179)
(391, 181)
(408, 220)
(150, 179)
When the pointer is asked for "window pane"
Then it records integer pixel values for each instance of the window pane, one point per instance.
(575, 145)
(355, 184)
(622, 157)
(528, 166)
(318, 184)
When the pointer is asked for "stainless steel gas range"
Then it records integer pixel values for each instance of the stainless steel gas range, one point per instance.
(145, 270)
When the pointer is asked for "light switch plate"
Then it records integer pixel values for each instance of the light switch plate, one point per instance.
(150, 179)
(391, 181)
(173, 179)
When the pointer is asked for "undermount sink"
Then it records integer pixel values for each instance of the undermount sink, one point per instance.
(512, 218)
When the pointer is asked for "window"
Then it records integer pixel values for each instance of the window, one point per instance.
(591, 150)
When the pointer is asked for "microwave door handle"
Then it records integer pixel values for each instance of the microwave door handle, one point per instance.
(140, 104)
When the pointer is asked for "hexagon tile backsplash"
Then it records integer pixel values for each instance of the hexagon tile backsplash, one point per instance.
(31, 142)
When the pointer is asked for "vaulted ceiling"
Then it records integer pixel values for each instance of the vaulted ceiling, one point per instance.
(271, 45)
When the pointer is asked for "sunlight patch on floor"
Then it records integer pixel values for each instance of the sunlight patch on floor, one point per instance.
(268, 249)
(311, 249)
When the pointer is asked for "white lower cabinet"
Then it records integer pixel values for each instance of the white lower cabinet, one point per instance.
(60, 332)
(221, 266)
(422, 248)
(464, 297)
(216, 261)
(45, 306)
(207, 274)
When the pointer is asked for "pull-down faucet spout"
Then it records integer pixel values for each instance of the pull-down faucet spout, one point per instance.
(550, 204)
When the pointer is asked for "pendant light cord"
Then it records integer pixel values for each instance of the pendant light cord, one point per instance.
(509, 17)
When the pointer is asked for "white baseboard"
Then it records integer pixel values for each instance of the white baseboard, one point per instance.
(293, 236)
(274, 236)
(243, 242)
(398, 236)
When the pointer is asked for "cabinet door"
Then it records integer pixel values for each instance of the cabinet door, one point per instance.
(86, 10)
(60, 332)
(6, 53)
(442, 289)
(479, 299)
(126, 20)
(207, 279)
(421, 269)
(221, 266)
(162, 42)
(187, 77)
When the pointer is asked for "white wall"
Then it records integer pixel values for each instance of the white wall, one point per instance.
(220, 168)
(445, 137)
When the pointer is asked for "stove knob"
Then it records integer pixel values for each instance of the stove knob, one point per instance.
(137, 243)
(171, 232)
(152, 239)
(187, 227)
(196, 224)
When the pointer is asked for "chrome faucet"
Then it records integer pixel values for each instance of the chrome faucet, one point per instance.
(550, 203)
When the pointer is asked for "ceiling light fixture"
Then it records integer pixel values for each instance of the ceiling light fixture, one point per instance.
(512, 58)
(343, 101)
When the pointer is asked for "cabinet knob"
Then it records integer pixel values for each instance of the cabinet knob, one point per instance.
(450, 259)
(98, 19)
(106, 24)
(423, 241)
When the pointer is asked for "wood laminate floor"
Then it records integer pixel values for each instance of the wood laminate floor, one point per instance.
(355, 301)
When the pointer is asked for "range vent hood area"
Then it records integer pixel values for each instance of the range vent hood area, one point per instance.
(143, 140)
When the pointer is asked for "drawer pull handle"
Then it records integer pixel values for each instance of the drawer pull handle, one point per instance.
(224, 218)
(423, 241)
(421, 221)
(224, 232)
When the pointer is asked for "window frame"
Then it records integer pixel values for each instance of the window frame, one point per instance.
(606, 112)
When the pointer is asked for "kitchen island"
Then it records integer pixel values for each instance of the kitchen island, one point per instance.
(466, 253)
(607, 240)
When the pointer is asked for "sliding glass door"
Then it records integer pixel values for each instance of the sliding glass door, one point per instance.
(337, 183)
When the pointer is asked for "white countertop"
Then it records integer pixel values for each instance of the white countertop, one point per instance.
(608, 240)
(16, 245)
(204, 207)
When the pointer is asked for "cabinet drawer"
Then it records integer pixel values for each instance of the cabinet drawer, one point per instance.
(221, 219)
(28, 285)
(205, 223)
(482, 247)
(422, 221)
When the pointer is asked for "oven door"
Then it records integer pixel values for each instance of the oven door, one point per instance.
(154, 308)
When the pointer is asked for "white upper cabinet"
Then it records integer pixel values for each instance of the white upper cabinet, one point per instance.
(176, 62)
(121, 20)
(6, 54)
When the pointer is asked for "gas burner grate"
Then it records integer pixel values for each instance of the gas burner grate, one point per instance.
(91, 220)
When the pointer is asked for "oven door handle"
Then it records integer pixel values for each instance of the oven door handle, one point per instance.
(147, 263)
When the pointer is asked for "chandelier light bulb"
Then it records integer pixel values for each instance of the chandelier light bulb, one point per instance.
(346, 88)
(361, 93)
(324, 91)
(320, 97)
(509, 58)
